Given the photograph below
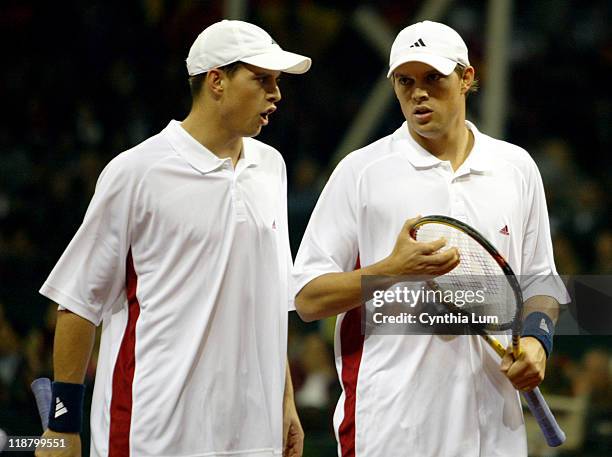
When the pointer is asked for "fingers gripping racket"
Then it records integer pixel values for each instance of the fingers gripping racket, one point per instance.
(482, 267)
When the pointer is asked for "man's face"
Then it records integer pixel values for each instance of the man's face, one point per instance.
(431, 102)
(249, 97)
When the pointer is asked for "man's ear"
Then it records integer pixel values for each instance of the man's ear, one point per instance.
(215, 81)
(467, 79)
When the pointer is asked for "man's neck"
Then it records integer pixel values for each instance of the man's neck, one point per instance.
(209, 132)
(454, 146)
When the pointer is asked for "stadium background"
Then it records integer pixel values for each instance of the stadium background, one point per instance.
(87, 79)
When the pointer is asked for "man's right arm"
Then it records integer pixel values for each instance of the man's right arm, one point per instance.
(74, 340)
(334, 293)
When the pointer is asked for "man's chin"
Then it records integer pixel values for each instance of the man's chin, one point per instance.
(428, 130)
(253, 133)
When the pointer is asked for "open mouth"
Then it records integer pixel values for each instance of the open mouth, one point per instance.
(423, 113)
(422, 110)
(266, 114)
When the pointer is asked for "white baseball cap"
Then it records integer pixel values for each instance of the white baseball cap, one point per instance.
(429, 42)
(227, 42)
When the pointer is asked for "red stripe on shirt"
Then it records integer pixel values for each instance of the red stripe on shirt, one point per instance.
(123, 375)
(351, 347)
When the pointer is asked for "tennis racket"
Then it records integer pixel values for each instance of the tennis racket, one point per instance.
(482, 267)
(41, 388)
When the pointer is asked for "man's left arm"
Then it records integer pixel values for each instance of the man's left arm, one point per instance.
(293, 434)
(526, 373)
(542, 288)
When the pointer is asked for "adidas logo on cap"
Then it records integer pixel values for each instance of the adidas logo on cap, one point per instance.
(431, 43)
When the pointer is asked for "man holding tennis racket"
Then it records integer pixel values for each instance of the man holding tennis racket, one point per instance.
(428, 395)
(183, 256)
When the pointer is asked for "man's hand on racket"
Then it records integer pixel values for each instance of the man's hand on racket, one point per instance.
(527, 372)
(410, 257)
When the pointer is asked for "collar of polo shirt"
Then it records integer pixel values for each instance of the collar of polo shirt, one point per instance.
(478, 160)
(197, 155)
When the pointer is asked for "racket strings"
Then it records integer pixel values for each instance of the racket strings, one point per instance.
(477, 271)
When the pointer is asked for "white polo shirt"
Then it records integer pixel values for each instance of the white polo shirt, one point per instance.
(425, 395)
(187, 263)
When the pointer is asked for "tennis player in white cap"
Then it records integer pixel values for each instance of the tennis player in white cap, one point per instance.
(183, 257)
(428, 395)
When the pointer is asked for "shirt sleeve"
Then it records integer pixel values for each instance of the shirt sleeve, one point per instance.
(90, 275)
(539, 274)
(285, 251)
(330, 242)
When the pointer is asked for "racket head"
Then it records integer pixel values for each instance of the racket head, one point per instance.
(481, 267)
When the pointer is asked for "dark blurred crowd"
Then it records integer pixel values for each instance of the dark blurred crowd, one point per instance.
(86, 80)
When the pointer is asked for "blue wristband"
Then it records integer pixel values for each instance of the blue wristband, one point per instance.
(66, 414)
(540, 326)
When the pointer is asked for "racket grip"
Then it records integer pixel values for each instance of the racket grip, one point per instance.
(41, 388)
(544, 416)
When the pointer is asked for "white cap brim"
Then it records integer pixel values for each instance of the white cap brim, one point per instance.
(280, 60)
(442, 64)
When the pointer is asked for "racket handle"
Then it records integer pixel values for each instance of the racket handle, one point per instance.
(495, 344)
(41, 388)
(544, 416)
(536, 403)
